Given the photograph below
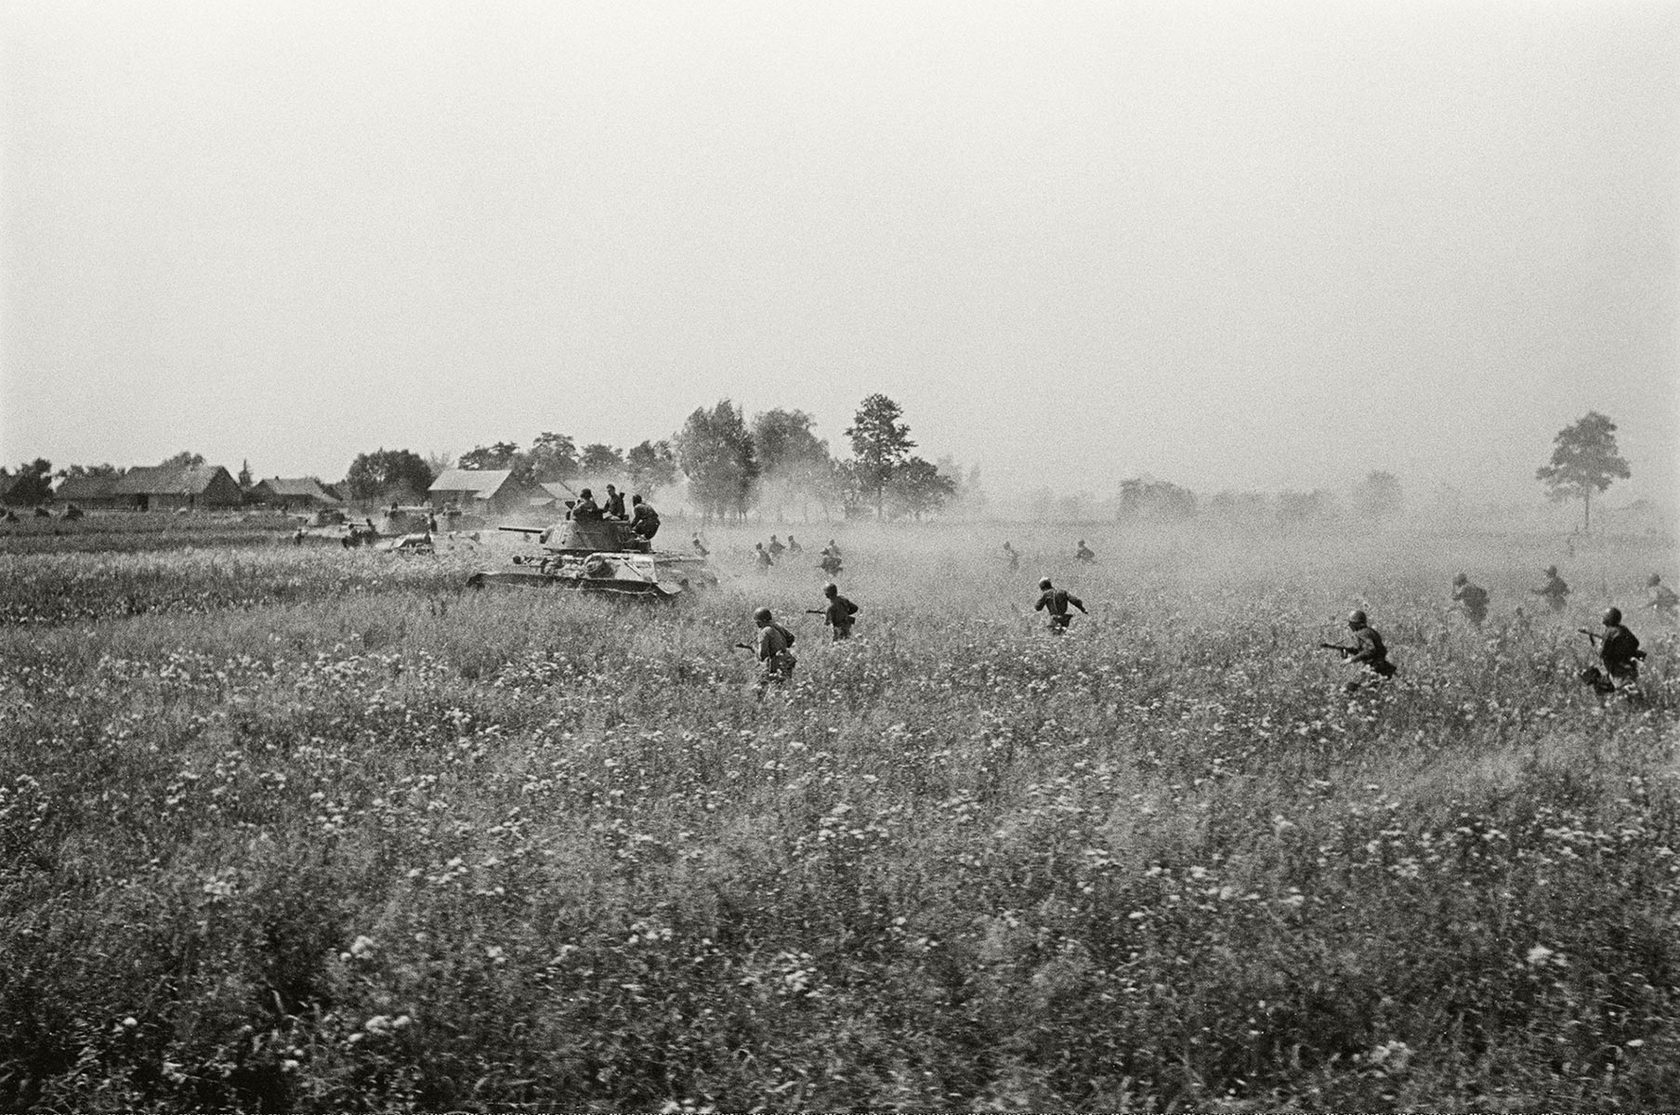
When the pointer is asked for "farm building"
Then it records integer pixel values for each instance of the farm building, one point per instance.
(481, 491)
(304, 494)
(90, 492)
(171, 487)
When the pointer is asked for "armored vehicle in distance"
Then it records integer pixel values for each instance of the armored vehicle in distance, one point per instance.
(603, 557)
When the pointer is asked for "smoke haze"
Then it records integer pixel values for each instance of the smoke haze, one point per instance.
(1255, 245)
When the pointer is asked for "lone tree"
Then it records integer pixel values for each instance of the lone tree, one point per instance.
(882, 444)
(387, 473)
(1584, 461)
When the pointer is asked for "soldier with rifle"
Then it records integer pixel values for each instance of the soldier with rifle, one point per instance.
(830, 562)
(1368, 651)
(837, 614)
(1618, 650)
(1056, 601)
(1472, 598)
(773, 650)
(1555, 591)
(793, 547)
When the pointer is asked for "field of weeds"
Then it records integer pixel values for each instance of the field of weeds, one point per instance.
(289, 829)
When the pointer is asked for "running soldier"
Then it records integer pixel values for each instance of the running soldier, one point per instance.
(1056, 601)
(776, 547)
(1368, 652)
(1555, 591)
(1014, 558)
(762, 557)
(774, 651)
(1085, 554)
(1472, 598)
(837, 613)
(1618, 651)
(1664, 600)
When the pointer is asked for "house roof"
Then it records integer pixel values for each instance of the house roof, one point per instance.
(86, 487)
(306, 487)
(483, 483)
(171, 480)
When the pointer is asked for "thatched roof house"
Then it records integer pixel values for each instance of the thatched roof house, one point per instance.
(171, 487)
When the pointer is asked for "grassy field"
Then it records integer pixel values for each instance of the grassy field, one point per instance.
(288, 828)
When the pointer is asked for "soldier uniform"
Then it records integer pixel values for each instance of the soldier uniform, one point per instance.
(644, 520)
(1014, 558)
(615, 503)
(584, 508)
(776, 546)
(1056, 601)
(763, 558)
(1664, 600)
(1085, 553)
(1368, 652)
(1555, 591)
(838, 613)
(1472, 598)
(775, 654)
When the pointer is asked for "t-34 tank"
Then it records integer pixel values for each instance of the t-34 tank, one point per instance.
(600, 556)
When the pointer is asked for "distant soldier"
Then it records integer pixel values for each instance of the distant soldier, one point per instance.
(1664, 601)
(1056, 601)
(837, 613)
(774, 651)
(834, 547)
(614, 508)
(794, 547)
(830, 563)
(1085, 554)
(763, 558)
(1472, 598)
(644, 520)
(1014, 558)
(776, 547)
(1555, 591)
(1618, 651)
(1368, 651)
(585, 509)
(700, 547)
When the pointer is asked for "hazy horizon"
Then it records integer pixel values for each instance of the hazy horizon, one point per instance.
(1243, 245)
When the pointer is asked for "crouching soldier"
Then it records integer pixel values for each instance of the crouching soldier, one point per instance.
(837, 614)
(1368, 652)
(1619, 653)
(1473, 599)
(1056, 601)
(774, 651)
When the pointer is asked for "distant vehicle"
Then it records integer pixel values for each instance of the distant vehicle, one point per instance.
(604, 558)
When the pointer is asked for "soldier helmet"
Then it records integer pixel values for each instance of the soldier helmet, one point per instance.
(1551, 570)
(586, 494)
(1356, 618)
(1612, 616)
(1461, 579)
(1045, 583)
(1654, 581)
(761, 615)
(831, 589)
(635, 500)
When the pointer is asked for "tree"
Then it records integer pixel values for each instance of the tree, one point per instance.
(551, 457)
(652, 465)
(600, 459)
(388, 474)
(918, 487)
(90, 470)
(715, 450)
(184, 459)
(880, 442)
(32, 483)
(1584, 461)
(793, 461)
(1297, 508)
(1142, 498)
(489, 458)
(1378, 496)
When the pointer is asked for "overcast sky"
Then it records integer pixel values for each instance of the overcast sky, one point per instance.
(1256, 245)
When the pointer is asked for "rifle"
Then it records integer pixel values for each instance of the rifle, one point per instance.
(745, 646)
(1594, 637)
(1338, 646)
(816, 611)
(522, 530)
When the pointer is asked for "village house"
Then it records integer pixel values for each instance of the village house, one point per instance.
(90, 493)
(303, 494)
(173, 487)
(481, 492)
